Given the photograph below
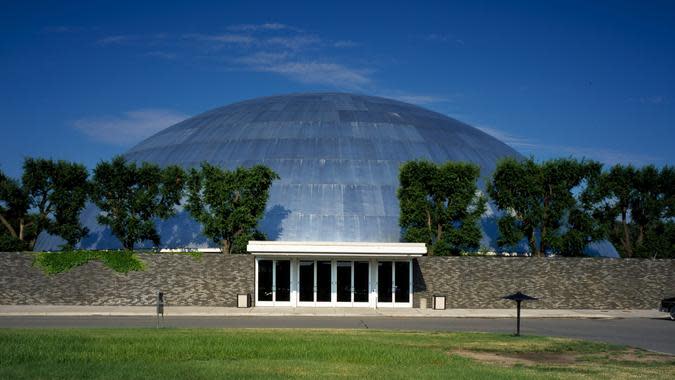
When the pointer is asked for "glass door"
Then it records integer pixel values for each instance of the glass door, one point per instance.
(384, 282)
(265, 281)
(401, 282)
(361, 283)
(282, 282)
(273, 283)
(394, 284)
(324, 283)
(307, 277)
(344, 283)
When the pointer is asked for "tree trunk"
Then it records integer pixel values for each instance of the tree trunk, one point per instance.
(542, 247)
(429, 220)
(9, 226)
(533, 244)
(431, 251)
(627, 248)
(547, 202)
(226, 246)
(439, 231)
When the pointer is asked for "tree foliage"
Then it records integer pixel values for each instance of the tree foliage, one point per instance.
(441, 205)
(229, 204)
(130, 197)
(541, 204)
(637, 209)
(49, 198)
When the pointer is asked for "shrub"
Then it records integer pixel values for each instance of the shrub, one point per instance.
(123, 262)
(11, 244)
(59, 262)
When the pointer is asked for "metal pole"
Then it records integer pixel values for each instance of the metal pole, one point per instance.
(518, 320)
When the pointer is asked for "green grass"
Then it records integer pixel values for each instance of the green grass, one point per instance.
(229, 353)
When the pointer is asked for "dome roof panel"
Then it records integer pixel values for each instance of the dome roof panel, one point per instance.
(337, 154)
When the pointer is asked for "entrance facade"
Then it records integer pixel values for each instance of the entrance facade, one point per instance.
(350, 275)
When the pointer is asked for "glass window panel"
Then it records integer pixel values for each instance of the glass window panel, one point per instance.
(283, 285)
(402, 289)
(384, 281)
(264, 280)
(323, 281)
(307, 281)
(361, 281)
(344, 281)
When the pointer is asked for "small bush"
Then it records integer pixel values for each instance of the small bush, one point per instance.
(123, 262)
(11, 244)
(59, 262)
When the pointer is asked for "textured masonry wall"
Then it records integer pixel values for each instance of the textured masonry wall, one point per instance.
(213, 280)
(468, 282)
(560, 283)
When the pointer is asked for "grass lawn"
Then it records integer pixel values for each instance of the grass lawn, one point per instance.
(247, 353)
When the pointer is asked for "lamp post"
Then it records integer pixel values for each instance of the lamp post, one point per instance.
(519, 297)
(160, 306)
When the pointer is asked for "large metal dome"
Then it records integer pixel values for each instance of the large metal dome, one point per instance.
(338, 156)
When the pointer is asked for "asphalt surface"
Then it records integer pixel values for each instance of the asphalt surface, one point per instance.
(656, 334)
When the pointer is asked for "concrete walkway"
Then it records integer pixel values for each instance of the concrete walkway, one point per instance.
(63, 310)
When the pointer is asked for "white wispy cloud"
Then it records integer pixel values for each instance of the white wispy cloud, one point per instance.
(292, 42)
(345, 44)
(442, 37)
(270, 47)
(61, 29)
(656, 99)
(161, 54)
(324, 73)
(263, 58)
(604, 155)
(418, 99)
(544, 150)
(287, 64)
(508, 138)
(129, 127)
(117, 39)
(228, 38)
(259, 27)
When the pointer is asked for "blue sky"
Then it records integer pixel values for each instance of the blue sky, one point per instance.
(84, 81)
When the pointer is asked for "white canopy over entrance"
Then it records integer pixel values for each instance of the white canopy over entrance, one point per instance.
(334, 274)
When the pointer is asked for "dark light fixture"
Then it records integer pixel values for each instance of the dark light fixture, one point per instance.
(519, 297)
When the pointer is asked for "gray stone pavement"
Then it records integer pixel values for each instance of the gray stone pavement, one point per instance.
(63, 310)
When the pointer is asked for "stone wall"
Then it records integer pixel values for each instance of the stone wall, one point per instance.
(467, 282)
(560, 283)
(212, 280)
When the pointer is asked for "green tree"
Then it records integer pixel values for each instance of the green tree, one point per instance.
(441, 205)
(49, 198)
(615, 194)
(229, 204)
(540, 205)
(636, 206)
(130, 197)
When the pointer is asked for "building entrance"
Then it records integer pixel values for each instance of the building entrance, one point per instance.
(333, 282)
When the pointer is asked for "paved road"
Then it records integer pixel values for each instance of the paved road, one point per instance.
(652, 334)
